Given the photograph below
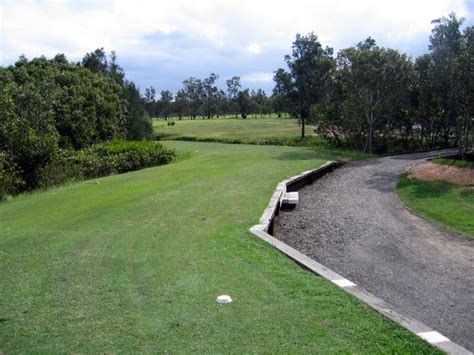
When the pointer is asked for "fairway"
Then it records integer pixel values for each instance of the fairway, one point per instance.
(134, 263)
(246, 130)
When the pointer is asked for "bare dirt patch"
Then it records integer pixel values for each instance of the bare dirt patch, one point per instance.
(453, 174)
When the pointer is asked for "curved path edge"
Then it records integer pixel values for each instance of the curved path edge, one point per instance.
(265, 226)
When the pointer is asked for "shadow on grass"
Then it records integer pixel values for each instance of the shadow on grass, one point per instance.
(421, 189)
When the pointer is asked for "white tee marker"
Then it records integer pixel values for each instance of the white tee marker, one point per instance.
(223, 299)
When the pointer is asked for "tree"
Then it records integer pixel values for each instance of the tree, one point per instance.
(136, 125)
(244, 102)
(451, 75)
(96, 61)
(259, 99)
(193, 89)
(375, 83)
(233, 89)
(180, 103)
(309, 66)
(466, 91)
(165, 103)
(221, 103)
(150, 101)
(114, 70)
(282, 91)
(210, 93)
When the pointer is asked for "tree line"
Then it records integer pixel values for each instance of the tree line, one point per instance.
(377, 99)
(203, 98)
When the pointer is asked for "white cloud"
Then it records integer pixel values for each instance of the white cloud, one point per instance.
(254, 48)
(242, 28)
(46, 27)
(257, 77)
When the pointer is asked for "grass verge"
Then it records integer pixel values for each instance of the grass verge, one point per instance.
(440, 201)
(454, 162)
(134, 264)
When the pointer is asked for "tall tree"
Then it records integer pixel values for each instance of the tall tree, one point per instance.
(244, 102)
(465, 125)
(192, 87)
(166, 98)
(233, 89)
(150, 101)
(445, 46)
(210, 94)
(282, 91)
(180, 103)
(309, 66)
(96, 61)
(376, 82)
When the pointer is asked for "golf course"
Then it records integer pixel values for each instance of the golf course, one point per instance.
(134, 262)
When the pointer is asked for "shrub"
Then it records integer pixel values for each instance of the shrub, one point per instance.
(10, 177)
(132, 155)
(104, 159)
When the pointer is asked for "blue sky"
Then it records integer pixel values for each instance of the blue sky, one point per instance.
(161, 43)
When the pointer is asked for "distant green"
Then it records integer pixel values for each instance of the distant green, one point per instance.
(134, 263)
(440, 201)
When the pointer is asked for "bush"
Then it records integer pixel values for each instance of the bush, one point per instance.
(10, 177)
(171, 123)
(132, 155)
(104, 159)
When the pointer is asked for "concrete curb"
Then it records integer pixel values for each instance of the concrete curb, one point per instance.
(263, 230)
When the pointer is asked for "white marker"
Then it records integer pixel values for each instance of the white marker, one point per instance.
(224, 299)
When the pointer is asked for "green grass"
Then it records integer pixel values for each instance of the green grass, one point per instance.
(230, 128)
(440, 201)
(134, 264)
(259, 131)
(454, 162)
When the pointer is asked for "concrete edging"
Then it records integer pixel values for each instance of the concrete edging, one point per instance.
(263, 230)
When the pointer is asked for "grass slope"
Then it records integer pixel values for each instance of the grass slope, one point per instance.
(440, 201)
(135, 263)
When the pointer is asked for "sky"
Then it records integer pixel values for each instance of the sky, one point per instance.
(161, 43)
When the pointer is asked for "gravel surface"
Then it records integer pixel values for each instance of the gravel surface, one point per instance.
(352, 222)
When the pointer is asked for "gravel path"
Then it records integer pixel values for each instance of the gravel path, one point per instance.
(351, 221)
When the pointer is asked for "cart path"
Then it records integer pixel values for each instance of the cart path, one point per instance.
(352, 222)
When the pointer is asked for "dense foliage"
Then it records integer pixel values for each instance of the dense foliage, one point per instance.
(377, 99)
(104, 159)
(48, 106)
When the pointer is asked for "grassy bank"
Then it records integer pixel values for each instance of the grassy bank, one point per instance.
(440, 201)
(134, 263)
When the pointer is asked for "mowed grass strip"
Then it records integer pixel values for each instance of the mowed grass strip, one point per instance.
(440, 201)
(134, 262)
